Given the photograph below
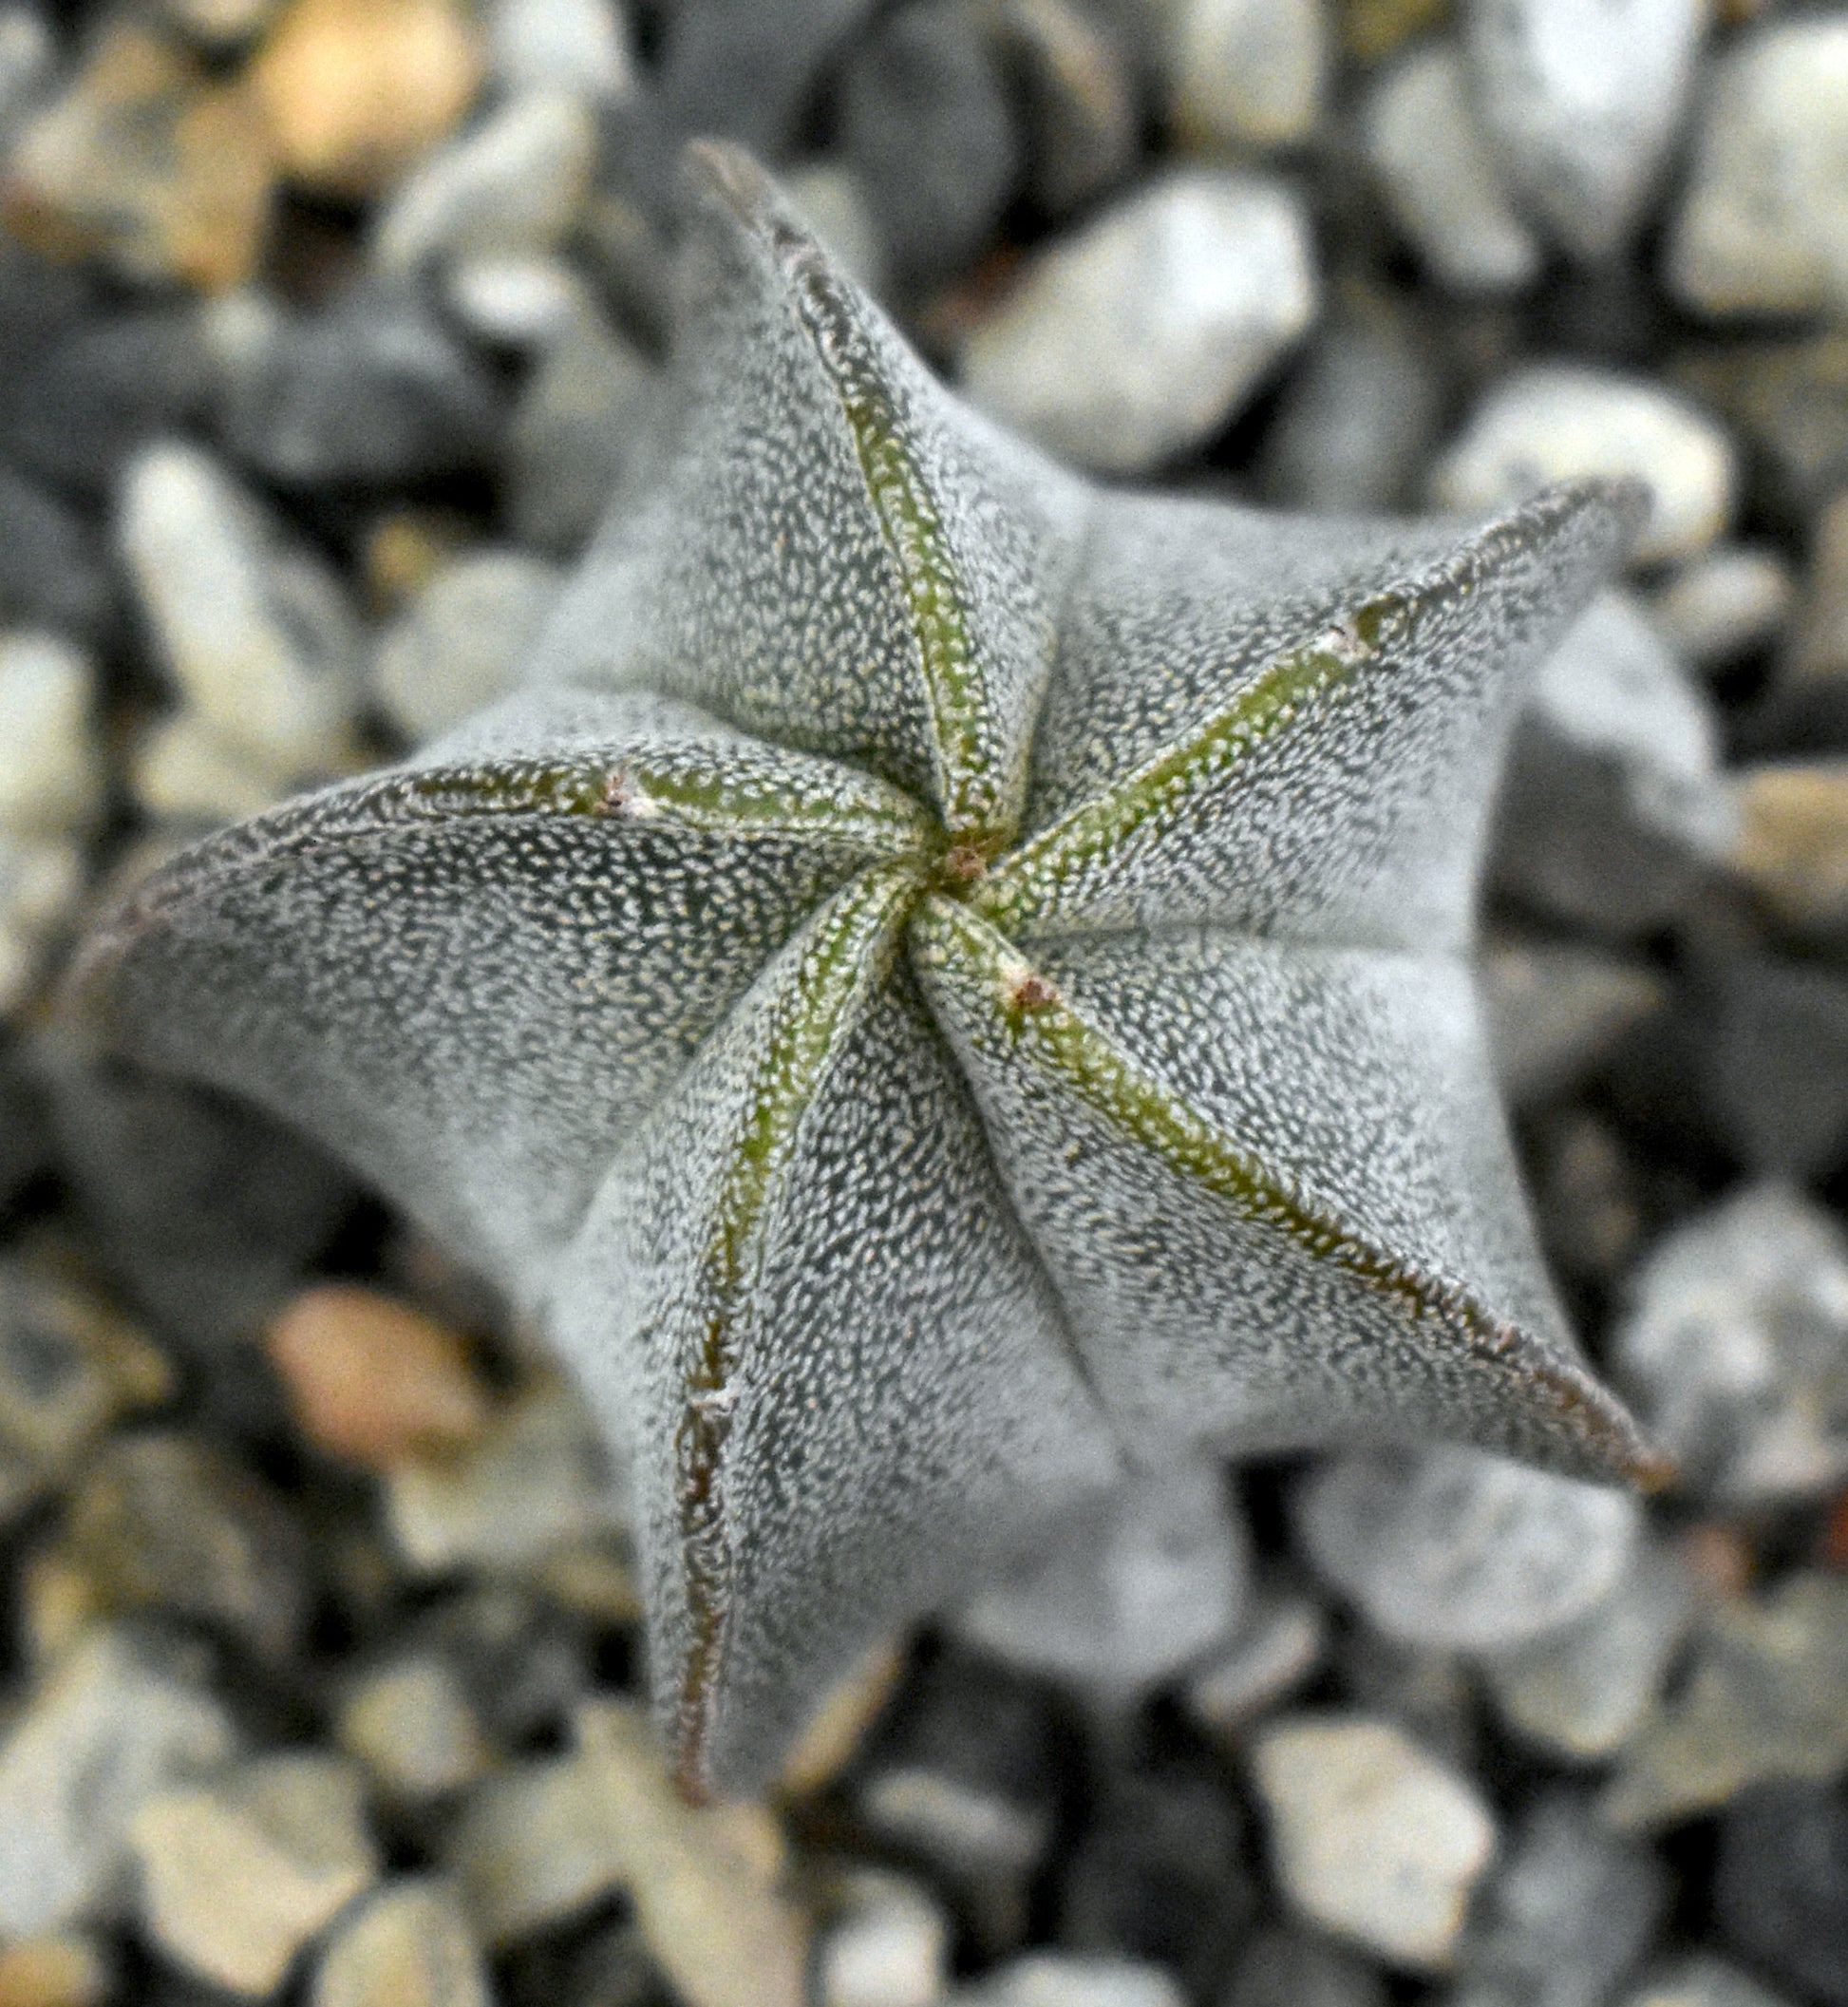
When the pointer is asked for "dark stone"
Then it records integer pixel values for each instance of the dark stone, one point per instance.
(1160, 1876)
(521, 1663)
(1776, 1057)
(1781, 1885)
(924, 118)
(370, 391)
(53, 568)
(748, 69)
(25, 1145)
(106, 390)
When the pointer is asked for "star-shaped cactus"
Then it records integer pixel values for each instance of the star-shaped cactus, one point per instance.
(945, 985)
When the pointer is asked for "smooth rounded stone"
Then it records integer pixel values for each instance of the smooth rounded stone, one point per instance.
(181, 773)
(1158, 1873)
(1763, 225)
(1772, 1050)
(1280, 1643)
(514, 183)
(371, 390)
(1703, 1980)
(832, 198)
(1138, 335)
(373, 1380)
(1766, 1699)
(578, 423)
(356, 91)
(1372, 1837)
(1556, 1010)
(1441, 177)
(41, 881)
(111, 1724)
(257, 636)
(410, 1723)
(922, 115)
(1781, 1885)
(111, 387)
(1583, 1690)
(147, 161)
(1060, 1979)
(70, 1365)
(52, 570)
(1129, 1596)
(515, 299)
(239, 1874)
(1283, 1966)
(1569, 1910)
(890, 1948)
(536, 1479)
(1725, 604)
(1735, 1347)
(407, 1946)
(1457, 1547)
(1356, 421)
(1613, 805)
(708, 1885)
(1075, 95)
(166, 1522)
(64, 1969)
(1547, 422)
(1246, 74)
(462, 641)
(1792, 846)
(1585, 100)
(581, 46)
(51, 764)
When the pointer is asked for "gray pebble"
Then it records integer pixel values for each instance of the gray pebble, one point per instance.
(460, 643)
(1371, 1837)
(407, 1946)
(41, 881)
(52, 569)
(1732, 599)
(1129, 1597)
(1581, 1690)
(1568, 1911)
(1285, 1967)
(1765, 1697)
(580, 46)
(29, 59)
(1613, 805)
(1246, 75)
(1075, 95)
(51, 765)
(254, 634)
(1457, 1548)
(579, 425)
(1735, 1347)
(1556, 1010)
(1763, 225)
(1547, 422)
(1585, 99)
(111, 1725)
(1701, 1980)
(514, 183)
(1773, 1060)
(523, 300)
(1141, 333)
(371, 390)
(926, 124)
(239, 1873)
(1357, 418)
(1433, 159)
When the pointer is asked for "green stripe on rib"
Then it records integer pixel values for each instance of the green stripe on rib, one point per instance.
(839, 957)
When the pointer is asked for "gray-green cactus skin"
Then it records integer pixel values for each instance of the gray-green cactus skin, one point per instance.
(945, 985)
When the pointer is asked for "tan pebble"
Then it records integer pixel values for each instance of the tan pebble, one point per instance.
(1792, 844)
(61, 1971)
(148, 163)
(404, 551)
(1372, 29)
(358, 90)
(374, 1381)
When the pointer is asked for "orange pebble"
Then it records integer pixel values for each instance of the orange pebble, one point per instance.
(374, 1381)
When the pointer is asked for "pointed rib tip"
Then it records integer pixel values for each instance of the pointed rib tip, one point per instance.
(723, 172)
(1615, 1441)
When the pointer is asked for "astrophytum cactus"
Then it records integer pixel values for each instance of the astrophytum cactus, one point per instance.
(944, 986)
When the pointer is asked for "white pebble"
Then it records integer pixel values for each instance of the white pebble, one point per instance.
(50, 772)
(1247, 73)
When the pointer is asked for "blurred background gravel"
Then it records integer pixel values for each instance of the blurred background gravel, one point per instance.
(325, 328)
